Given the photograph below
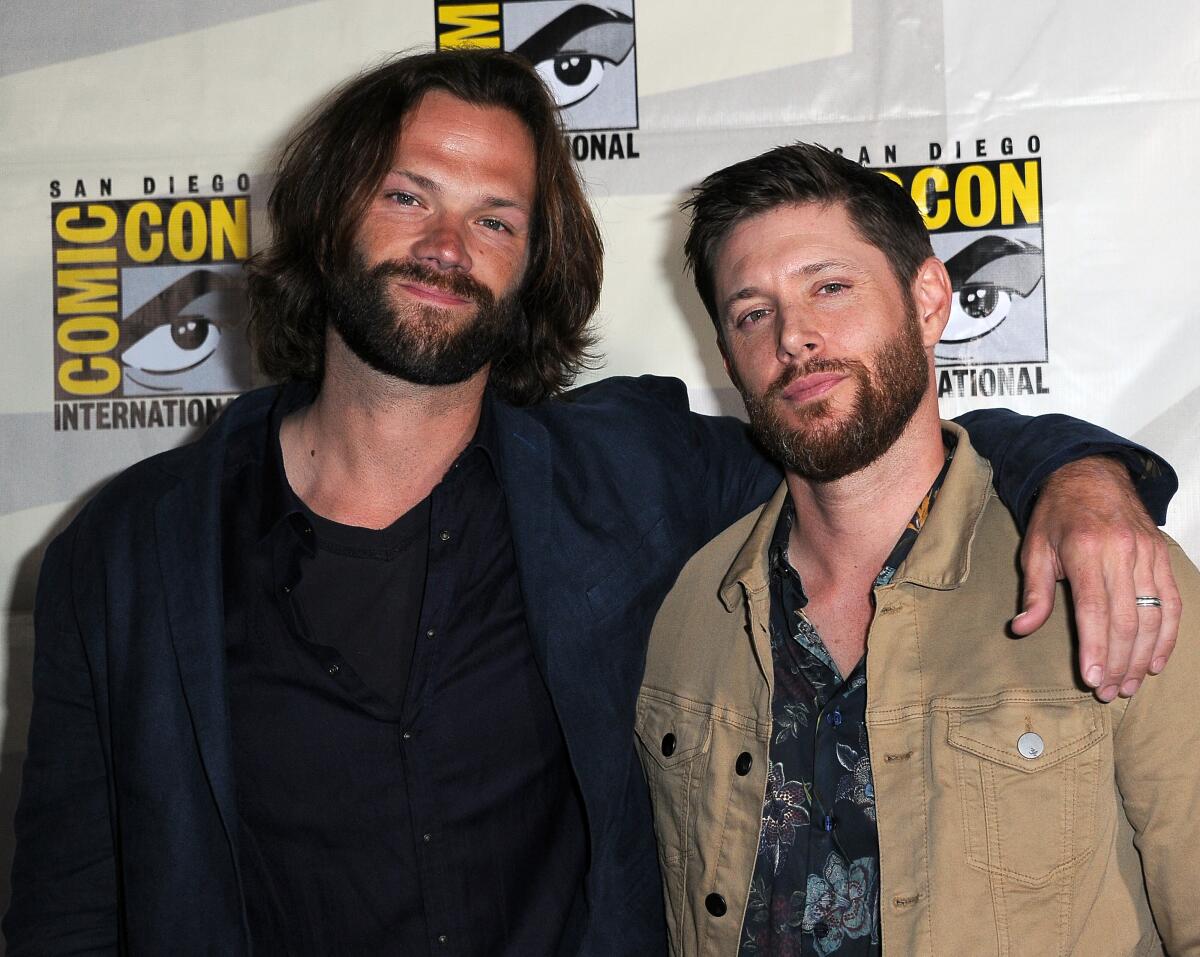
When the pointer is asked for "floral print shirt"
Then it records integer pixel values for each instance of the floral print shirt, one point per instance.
(815, 888)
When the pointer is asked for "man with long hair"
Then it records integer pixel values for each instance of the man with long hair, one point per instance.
(356, 672)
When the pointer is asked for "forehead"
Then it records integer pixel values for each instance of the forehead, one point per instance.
(791, 231)
(466, 141)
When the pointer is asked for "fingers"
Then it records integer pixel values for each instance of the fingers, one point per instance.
(1168, 591)
(1039, 574)
(1105, 637)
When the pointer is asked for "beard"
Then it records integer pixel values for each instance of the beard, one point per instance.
(415, 341)
(824, 447)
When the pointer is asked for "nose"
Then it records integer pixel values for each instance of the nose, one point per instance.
(443, 245)
(798, 335)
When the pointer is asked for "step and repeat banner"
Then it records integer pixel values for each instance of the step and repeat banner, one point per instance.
(1049, 147)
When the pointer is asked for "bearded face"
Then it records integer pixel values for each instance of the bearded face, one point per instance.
(417, 341)
(818, 443)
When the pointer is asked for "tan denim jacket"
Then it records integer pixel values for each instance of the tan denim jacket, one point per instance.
(1091, 848)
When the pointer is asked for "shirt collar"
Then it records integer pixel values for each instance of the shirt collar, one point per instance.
(939, 558)
(280, 503)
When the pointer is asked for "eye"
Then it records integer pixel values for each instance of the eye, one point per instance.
(401, 198)
(571, 77)
(833, 288)
(750, 318)
(495, 225)
(571, 51)
(975, 311)
(174, 346)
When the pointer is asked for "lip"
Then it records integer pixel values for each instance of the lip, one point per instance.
(812, 386)
(430, 294)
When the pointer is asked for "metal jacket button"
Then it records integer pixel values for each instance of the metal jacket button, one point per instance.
(744, 763)
(1031, 745)
(715, 905)
(668, 745)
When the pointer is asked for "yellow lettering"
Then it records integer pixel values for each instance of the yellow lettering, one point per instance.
(967, 214)
(66, 220)
(187, 231)
(1021, 189)
(232, 228)
(473, 25)
(151, 215)
(105, 254)
(92, 286)
(932, 181)
(95, 375)
(88, 335)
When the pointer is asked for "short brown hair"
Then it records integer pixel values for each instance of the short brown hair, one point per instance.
(331, 167)
(882, 213)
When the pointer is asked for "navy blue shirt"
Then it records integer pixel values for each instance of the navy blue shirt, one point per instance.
(403, 782)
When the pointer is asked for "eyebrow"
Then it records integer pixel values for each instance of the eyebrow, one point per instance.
(808, 269)
(491, 202)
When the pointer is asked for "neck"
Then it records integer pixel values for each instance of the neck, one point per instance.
(372, 446)
(845, 529)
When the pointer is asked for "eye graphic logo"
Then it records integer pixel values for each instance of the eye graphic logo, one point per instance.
(986, 277)
(184, 339)
(585, 52)
(585, 56)
(998, 313)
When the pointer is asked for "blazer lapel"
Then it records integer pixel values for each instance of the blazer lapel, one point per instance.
(525, 476)
(187, 528)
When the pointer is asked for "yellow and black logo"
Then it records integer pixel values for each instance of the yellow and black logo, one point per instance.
(149, 298)
(985, 220)
(584, 52)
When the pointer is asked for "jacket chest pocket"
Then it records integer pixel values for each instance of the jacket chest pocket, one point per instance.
(1028, 779)
(673, 743)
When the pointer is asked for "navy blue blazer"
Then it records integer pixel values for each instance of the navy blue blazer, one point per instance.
(126, 829)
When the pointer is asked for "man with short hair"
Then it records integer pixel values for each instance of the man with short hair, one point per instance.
(845, 748)
(356, 672)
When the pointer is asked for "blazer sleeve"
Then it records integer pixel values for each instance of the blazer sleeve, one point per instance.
(64, 887)
(1025, 450)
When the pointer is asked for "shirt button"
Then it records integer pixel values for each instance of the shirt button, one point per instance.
(835, 717)
(668, 744)
(1031, 745)
(441, 938)
(333, 669)
(426, 838)
(430, 633)
(445, 536)
(715, 905)
(744, 763)
(287, 589)
(407, 736)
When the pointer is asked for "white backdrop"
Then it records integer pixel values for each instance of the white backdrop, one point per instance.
(1050, 145)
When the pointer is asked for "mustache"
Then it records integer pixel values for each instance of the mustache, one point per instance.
(812, 366)
(455, 283)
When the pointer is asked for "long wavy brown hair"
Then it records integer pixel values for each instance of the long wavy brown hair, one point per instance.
(332, 166)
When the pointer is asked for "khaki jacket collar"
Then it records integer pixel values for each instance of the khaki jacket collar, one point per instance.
(940, 557)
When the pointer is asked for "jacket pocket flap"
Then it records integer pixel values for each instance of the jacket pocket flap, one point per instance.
(671, 734)
(1027, 736)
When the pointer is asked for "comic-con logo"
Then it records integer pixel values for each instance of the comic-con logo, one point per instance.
(985, 223)
(149, 298)
(583, 51)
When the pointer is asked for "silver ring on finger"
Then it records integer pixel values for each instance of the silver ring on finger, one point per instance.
(1148, 601)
